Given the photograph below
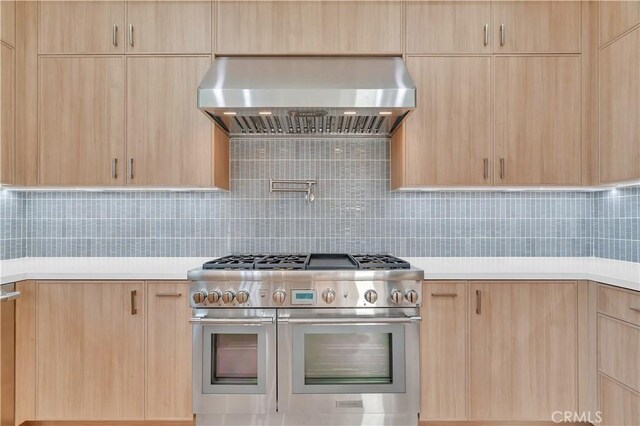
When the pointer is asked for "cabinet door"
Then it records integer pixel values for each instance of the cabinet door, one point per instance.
(448, 27)
(616, 17)
(79, 27)
(443, 351)
(619, 405)
(536, 26)
(7, 114)
(169, 27)
(8, 22)
(537, 122)
(168, 351)
(620, 109)
(309, 27)
(448, 137)
(81, 121)
(90, 351)
(168, 139)
(523, 350)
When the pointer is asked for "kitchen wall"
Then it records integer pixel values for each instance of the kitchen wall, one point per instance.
(12, 224)
(616, 232)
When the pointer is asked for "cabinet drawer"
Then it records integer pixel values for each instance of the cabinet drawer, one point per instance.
(619, 405)
(620, 304)
(619, 351)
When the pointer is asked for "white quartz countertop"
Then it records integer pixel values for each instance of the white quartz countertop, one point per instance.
(614, 272)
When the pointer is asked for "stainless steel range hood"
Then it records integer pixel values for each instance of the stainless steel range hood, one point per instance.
(333, 96)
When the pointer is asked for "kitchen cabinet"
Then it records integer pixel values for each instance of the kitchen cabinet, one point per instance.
(619, 406)
(537, 120)
(536, 26)
(309, 27)
(522, 349)
(443, 351)
(169, 27)
(90, 350)
(8, 22)
(81, 121)
(168, 351)
(616, 17)
(7, 114)
(447, 139)
(620, 109)
(169, 142)
(620, 304)
(619, 351)
(81, 27)
(448, 27)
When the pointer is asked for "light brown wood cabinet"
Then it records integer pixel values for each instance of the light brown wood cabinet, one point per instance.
(443, 351)
(309, 27)
(90, 350)
(169, 27)
(522, 349)
(620, 109)
(537, 120)
(447, 140)
(81, 121)
(8, 22)
(7, 114)
(81, 27)
(616, 17)
(168, 367)
(619, 405)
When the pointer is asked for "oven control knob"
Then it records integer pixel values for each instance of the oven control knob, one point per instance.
(214, 296)
(329, 296)
(228, 296)
(411, 296)
(371, 296)
(242, 296)
(279, 296)
(396, 296)
(200, 296)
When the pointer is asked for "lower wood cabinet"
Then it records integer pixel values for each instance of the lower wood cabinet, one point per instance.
(619, 405)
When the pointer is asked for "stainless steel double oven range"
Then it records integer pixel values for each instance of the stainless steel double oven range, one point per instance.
(319, 339)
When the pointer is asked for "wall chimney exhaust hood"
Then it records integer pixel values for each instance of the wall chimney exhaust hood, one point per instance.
(307, 96)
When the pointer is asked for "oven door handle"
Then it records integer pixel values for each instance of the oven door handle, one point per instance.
(238, 321)
(350, 320)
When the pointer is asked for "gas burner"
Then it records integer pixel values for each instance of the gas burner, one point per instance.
(380, 261)
(240, 261)
(283, 262)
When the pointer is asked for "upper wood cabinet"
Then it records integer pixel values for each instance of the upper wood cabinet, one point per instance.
(7, 114)
(447, 139)
(537, 120)
(78, 27)
(169, 27)
(620, 109)
(90, 351)
(168, 351)
(536, 26)
(522, 350)
(616, 17)
(448, 27)
(443, 351)
(8, 22)
(81, 121)
(169, 142)
(309, 27)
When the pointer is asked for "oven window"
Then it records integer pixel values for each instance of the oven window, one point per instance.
(348, 359)
(234, 359)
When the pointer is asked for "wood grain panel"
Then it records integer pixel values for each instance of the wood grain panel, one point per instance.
(220, 162)
(616, 17)
(448, 137)
(397, 158)
(26, 352)
(620, 304)
(7, 114)
(619, 405)
(8, 22)
(619, 351)
(538, 120)
(81, 115)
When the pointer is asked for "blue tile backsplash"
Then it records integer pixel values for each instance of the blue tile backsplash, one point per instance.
(354, 211)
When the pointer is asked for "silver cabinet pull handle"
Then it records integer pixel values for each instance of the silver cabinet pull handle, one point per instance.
(502, 168)
(130, 35)
(114, 35)
(130, 168)
(350, 320)
(486, 34)
(634, 309)
(133, 302)
(10, 296)
(503, 34)
(478, 302)
(444, 295)
(485, 163)
(114, 168)
(246, 320)
(168, 294)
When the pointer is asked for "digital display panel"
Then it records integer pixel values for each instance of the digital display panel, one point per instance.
(303, 297)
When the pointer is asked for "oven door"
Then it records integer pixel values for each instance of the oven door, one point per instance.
(234, 360)
(352, 361)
